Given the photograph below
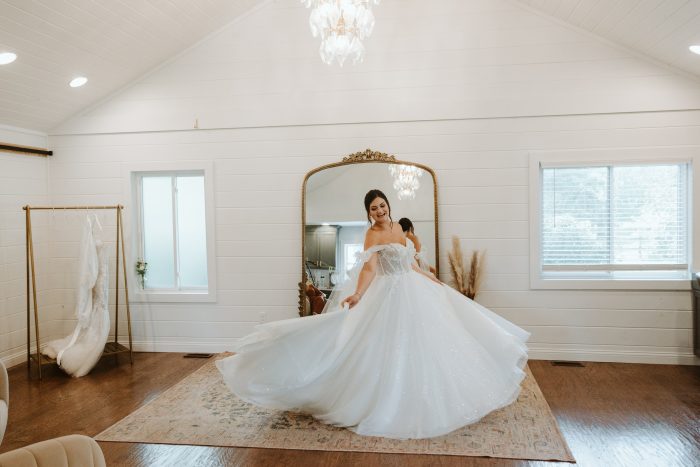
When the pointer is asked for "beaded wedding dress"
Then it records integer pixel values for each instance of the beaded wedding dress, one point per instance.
(80, 351)
(413, 359)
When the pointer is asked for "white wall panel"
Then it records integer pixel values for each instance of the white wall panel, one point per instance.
(470, 102)
(23, 180)
(483, 59)
(258, 232)
(659, 28)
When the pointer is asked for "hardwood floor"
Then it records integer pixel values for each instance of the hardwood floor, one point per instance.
(611, 414)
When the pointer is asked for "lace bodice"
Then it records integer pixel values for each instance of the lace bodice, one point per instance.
(392, 258)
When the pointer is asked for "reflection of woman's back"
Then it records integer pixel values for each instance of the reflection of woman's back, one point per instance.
(412, 358)
(421, 257)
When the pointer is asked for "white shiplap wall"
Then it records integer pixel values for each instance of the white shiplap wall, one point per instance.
(23, 180)
(469, 90)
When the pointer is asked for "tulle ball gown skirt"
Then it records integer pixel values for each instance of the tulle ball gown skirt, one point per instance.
(413, 359)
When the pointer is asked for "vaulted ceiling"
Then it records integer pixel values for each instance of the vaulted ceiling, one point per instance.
(113, 42)
(660, 29)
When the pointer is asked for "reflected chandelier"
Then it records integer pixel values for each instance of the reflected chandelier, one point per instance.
(406, 181)
(342, 25)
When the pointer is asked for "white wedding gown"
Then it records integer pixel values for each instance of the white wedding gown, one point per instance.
(413, 359)
(80, 351)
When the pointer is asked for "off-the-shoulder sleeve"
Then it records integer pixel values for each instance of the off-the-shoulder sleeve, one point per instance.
(363, 256)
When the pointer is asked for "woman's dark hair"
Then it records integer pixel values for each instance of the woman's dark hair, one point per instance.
(406, 224)
(371, 196)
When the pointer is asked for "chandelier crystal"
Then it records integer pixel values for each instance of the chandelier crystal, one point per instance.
(342, 25)
(406, 181)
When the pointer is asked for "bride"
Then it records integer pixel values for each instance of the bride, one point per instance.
(412, 359)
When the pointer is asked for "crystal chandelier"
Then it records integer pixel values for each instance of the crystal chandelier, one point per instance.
(342, 25)
(405, 180)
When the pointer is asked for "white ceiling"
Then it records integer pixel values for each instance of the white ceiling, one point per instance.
(113, 42)
(661, 29)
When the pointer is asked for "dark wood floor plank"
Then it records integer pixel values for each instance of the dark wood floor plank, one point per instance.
(59, 405)
(611, 414)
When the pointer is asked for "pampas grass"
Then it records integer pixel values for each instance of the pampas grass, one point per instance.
(466, 280)
(456, 260)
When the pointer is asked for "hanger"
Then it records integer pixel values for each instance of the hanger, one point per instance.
(97, 220)
(87, 216)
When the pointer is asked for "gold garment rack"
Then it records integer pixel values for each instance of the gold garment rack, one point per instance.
(111, 348)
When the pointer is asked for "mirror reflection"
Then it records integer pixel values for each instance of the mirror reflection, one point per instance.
(336, 221)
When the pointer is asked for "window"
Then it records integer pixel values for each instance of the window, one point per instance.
(617, 222)
(351, 251)
(172, 212)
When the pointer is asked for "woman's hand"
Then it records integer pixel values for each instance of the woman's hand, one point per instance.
(352, 300)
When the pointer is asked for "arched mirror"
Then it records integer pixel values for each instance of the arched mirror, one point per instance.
(334, 220)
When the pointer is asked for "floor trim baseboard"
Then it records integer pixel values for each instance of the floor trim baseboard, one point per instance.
(588, 355)
(536, 352)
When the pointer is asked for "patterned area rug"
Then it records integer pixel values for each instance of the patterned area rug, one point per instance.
(200, 410)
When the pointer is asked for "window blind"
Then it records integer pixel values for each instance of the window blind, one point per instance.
(615, 217)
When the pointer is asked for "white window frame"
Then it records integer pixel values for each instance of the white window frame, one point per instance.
(583, 158)
(132, 223)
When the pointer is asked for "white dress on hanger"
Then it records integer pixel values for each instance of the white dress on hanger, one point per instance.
(413, 359)
(78, 353)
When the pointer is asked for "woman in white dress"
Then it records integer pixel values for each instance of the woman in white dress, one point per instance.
(410, 233)
(412, 359)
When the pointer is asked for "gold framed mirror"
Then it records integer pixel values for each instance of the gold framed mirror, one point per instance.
(334, 221)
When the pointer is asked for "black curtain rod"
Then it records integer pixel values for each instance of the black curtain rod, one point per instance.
(25, 149)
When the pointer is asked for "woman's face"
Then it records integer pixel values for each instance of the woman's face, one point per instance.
(379, 211)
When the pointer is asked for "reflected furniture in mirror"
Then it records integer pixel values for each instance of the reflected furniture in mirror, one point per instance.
(334, 221)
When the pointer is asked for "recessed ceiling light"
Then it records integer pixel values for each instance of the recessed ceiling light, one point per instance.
(7, 57)
(695, 49)
(77, 82)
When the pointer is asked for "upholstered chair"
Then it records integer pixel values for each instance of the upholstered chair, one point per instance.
(66, 451)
